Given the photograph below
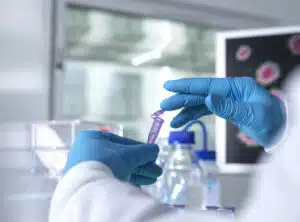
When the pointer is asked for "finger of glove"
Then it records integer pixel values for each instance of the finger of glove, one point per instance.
(227, 108)
(138, 155)
(189, 114)
(141, 180)
(88, 134)
(151, 170)
(199, 86)
(181, 100)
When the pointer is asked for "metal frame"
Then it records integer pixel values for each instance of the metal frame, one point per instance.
(178, 10)
(221, 72)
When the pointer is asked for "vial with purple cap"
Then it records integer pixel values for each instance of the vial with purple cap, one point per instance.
(156, 126)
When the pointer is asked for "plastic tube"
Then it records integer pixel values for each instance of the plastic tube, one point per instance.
(156, 126)
(204, 132)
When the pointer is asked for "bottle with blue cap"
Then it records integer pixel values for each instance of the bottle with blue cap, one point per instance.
(158, 190)
(182, 173)
(164, 150)
(211, 178)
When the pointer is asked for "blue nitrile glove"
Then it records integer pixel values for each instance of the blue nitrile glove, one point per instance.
(249, 106)
(129, 160)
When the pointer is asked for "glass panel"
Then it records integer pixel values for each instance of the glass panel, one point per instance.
(52, 140)
(116, 64)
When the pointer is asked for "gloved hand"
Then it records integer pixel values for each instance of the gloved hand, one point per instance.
(249, 106)
(129, 160)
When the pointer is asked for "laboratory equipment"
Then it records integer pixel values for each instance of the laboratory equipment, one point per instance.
(156, 126)
(164, 150)
(158, 190)
(225, 211)
(16, 152)
(182, 173)
(51, 140)
(210, 170)
(211, 178)
(26, 194)
(271, 67)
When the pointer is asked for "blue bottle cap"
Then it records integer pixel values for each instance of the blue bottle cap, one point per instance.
(183, 137)
(206, 155)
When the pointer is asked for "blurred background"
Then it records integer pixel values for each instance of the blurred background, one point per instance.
(106, 61)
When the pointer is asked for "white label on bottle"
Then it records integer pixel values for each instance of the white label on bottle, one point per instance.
(211, 192)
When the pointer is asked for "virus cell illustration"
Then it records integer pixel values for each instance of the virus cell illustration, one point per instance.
(277, 92)
(246, 140)
(294, 44)
(243, 53)
(267, 73)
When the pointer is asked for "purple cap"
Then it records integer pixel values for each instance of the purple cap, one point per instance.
(183, 137)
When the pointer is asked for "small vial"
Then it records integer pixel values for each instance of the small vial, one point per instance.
(156, 126)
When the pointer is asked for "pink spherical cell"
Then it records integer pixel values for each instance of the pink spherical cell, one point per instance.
(294, 44)
(246, 140)
(277, 92)
(243, 53)
(267, 73)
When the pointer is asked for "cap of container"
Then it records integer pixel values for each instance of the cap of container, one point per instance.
(206, 155)
(183, 137)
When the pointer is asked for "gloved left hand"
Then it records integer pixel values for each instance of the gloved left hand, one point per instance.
(129, 160)
(255, 111)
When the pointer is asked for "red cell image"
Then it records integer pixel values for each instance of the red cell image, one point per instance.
(246, 140)
(267, 73)
(294, 44)
(277, 92)
(243, 53)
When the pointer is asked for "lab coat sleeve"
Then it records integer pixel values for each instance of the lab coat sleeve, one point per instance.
(90, 193)
(275, 189)
(275, 192)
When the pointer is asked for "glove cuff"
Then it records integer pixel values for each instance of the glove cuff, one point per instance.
(281, 134)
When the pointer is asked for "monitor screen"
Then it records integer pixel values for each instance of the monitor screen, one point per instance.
(268, 59)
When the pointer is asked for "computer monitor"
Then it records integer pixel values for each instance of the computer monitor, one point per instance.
(268, 55)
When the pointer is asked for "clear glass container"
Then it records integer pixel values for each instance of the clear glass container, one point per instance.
(164, 150)
(16, 152)
(158, 190)
(183, 177)
(52, 140)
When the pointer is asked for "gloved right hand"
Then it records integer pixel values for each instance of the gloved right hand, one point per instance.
(129, 160)
(241, 100)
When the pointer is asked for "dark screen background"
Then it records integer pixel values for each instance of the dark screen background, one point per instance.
(268, 48)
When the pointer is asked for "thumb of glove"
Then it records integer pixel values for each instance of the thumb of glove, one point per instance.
(227, 108)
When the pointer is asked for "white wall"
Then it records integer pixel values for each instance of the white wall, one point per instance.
(286, 12)
(24, 59)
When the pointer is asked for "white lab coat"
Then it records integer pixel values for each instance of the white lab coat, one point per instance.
(90, 193)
